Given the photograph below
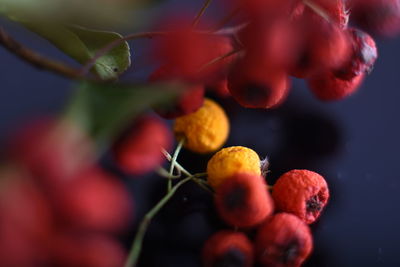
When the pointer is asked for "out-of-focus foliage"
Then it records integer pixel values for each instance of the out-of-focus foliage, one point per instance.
(82, 44)
(105, 109)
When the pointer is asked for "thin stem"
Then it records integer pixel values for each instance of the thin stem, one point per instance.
(36, 59)
(177, 165)
(317, 9)
(173, 162)
(227, 18)
(216, 60)
(107, 48)
(164, 173)
(201, 12)
(137, 242)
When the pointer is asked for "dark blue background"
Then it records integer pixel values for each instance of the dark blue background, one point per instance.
(353, 143)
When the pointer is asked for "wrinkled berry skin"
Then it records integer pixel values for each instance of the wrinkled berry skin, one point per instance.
(95, 200)
(228, 248)
(377, 16)
(139, 150)
(188, 102)
(301, 192)
(363, 57)
(243, 200)
(255, 86)
(326, 87)
(283, 241)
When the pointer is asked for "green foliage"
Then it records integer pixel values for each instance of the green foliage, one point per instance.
(104, 110)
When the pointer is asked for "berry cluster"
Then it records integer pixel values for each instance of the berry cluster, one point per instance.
(59, 208)
(277, 39)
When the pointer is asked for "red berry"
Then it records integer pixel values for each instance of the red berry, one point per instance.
(323, 47)
(25, 222)
(53, 150)
(91, 250)
(326, 87)
(377, 16)
(139, 150)
(301, 192)
(363, 56)
(254, 86)
(283, 241)
(243, 200)
(190, 100)
(228, 248)
(95, 201)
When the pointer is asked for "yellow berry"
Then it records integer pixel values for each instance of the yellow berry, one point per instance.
(205, 130)
(232, 160)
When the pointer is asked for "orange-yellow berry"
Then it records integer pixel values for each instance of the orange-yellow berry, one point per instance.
(231, 160)
(205, 130)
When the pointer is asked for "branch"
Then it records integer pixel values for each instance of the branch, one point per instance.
(201, 12)
(36, 59)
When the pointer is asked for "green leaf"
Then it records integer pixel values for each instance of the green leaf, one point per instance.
(104, 110)
(82, 44)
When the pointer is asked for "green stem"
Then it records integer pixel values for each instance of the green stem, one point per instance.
(177, 165)
(137, 242)
(173, 162)
(201, 12)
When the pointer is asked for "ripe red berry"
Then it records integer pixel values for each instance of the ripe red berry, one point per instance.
(95, 201)
(326, 87)
(228, 248)
(26, 220)
(335, 10)
(283, 241)
(139, 150)
(190, 100)
(52, 150)
(255, 86)
(323, 47)
(243, 200)
(377, 16)
(301, 192)
(363, 57)
(78, 249)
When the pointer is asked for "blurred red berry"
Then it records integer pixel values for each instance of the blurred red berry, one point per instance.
(323, 47)
(378, 16)
(228, 248)
(190, 100)
(53, 150)
(254, 86)
(95, 201)
(283, 241)
(243, 200)
(139, 150)
(363, 57)
(326, 87)
(301, 192)
(86, 250)
(25, 222)
(186, 52)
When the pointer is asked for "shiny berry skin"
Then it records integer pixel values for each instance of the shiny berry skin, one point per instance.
(283, 241)
(377, 16)
(255, 86)
(243, 200)
(188, 102)
(363, 57)
(327, 87)
(95, 201)
(301, 192)
(139, 150)
(228, 248)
